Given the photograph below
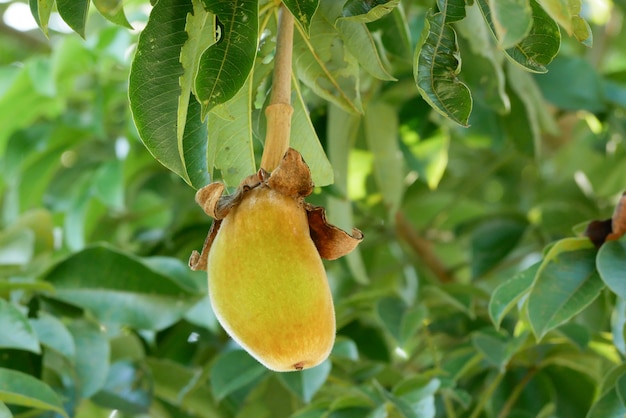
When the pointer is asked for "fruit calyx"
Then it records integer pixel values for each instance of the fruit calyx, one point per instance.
(291, 178)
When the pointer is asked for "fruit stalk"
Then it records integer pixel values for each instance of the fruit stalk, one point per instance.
(278, 112)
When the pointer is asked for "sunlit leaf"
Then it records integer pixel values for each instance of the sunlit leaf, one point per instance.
(541, 45)
(154, 92)
(74, 13)
(303, 11)
(21, 389)
(41, 10)
(225, 65)
(368, 10)
(567, 14)
(565, 284)
(113, 10)
(381, 134)
(436, 67)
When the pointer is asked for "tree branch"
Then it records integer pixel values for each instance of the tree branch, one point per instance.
(422, 248)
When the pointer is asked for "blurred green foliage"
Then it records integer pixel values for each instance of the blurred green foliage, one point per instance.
(474, 293)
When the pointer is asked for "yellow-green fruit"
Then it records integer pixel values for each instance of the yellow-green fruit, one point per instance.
(267, 283)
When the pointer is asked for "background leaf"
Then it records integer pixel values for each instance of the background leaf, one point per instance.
(16, 330)
(233, 370)
(21, 389)
(150, 299)
(306, 383)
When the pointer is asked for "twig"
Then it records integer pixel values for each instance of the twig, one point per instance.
(278, 112)
(422, 248)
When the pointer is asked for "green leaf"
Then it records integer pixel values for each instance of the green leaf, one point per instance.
(178, 385)
(128, 388)
(436, 66)
(17, 246)
(5, 412)
(400, 320)
(541, 45)
(565, 284)
(482, 69)
(368, 10)
(233, 370)
(74, 13)
(113, 10)
(620, 388)
(155, 95)
(306, 383)
(303, 11)
(507, 294)
(512, 20)
(381, 133)
(360, 42)
(341, 132)
(618, 323)
(497, 349)
(493, 239)
(224, 67)
(121, 291)
(92, 356)
(573, 84)
(611, 263)
(16, 330)
(54, 334)
(41, 10)
(326, 67)
(230, 139)
(304, 138)
(608, 405)
(18, 388)
(345, 348)
(567, 14)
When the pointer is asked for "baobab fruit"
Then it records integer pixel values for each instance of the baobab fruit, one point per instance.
(267, 283)
(263, 254)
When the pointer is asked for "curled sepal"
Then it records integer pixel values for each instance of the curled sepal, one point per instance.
(331, 242)
(292, 178)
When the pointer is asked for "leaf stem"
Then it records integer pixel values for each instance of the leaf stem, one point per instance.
(517, 391)
(486, 395)
(278, 112)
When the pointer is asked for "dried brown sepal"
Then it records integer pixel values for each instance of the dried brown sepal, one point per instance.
(331, 242)
(618, 220)
(610, 229)
(198, 261)
(291, 178)
(598, 231)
